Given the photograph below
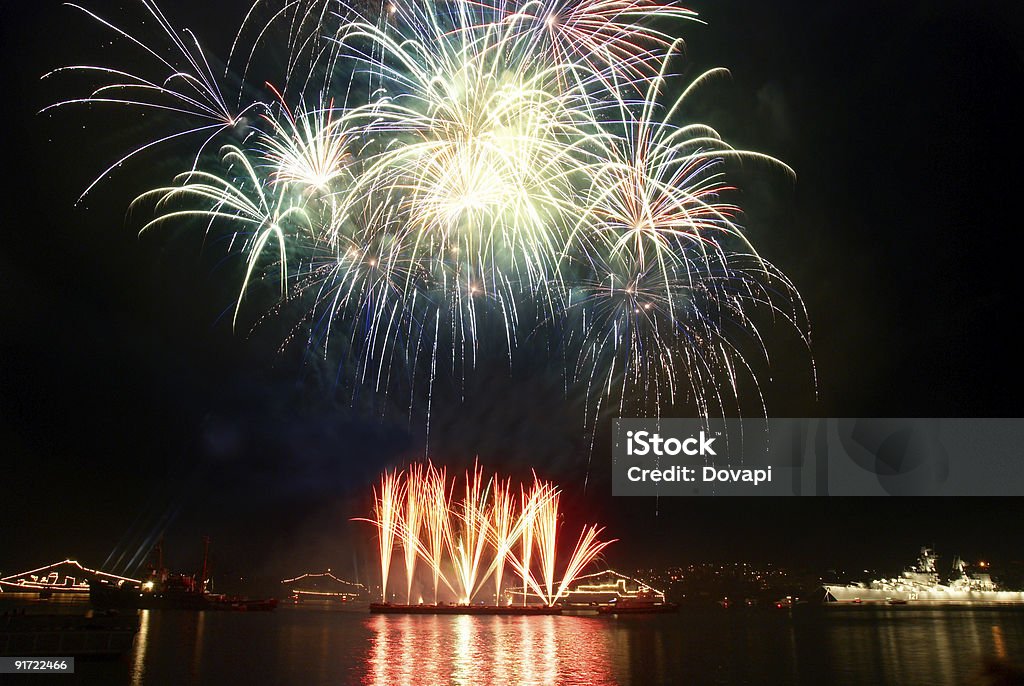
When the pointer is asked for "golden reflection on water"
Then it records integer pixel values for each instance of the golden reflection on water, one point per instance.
(465, 649)
(998, 643)
(139, 650)
(197, 656)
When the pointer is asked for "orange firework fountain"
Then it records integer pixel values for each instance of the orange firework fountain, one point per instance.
(464, 543)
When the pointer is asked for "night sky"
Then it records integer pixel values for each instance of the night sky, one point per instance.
(127, 401)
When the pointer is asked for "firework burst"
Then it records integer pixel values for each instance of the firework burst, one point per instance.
(433, 181)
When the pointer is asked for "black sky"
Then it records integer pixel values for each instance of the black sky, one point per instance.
(125, 396)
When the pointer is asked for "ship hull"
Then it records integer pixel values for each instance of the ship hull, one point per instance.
(8, 587)
(105, 596)
(934, 596)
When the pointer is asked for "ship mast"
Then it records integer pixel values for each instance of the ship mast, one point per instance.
(206, 556)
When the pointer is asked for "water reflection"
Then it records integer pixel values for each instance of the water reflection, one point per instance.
(998, 644)
(139, 651)
(933, 646)
(699, 645)
(424, 649)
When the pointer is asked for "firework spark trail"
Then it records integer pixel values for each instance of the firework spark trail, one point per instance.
(186, 85)
(411, 523)
(587, 549)
(545, 531)
(436, 521)
(309, 150)
(270, 217)
(501, 530)
(529, 514)
(386, 510)
(604, 34)
(477, 536)
(472, 536)
(439, 181)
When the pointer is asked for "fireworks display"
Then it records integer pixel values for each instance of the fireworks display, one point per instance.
(431, 181)
(458, 545)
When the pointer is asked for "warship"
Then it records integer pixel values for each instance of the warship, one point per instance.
(921, 584)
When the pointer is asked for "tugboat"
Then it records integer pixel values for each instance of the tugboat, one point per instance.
(645, 601)
(163, 590)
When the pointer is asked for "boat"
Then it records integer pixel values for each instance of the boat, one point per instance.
(921, 584)
(163, 590)
(91, 634)
(645, 601)
(454, 609)
(67, 577)
(172, 592)
(323, 587)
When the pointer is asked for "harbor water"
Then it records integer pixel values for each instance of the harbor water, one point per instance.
(803, 645)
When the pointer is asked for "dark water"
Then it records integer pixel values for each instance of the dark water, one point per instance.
(317, 646)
